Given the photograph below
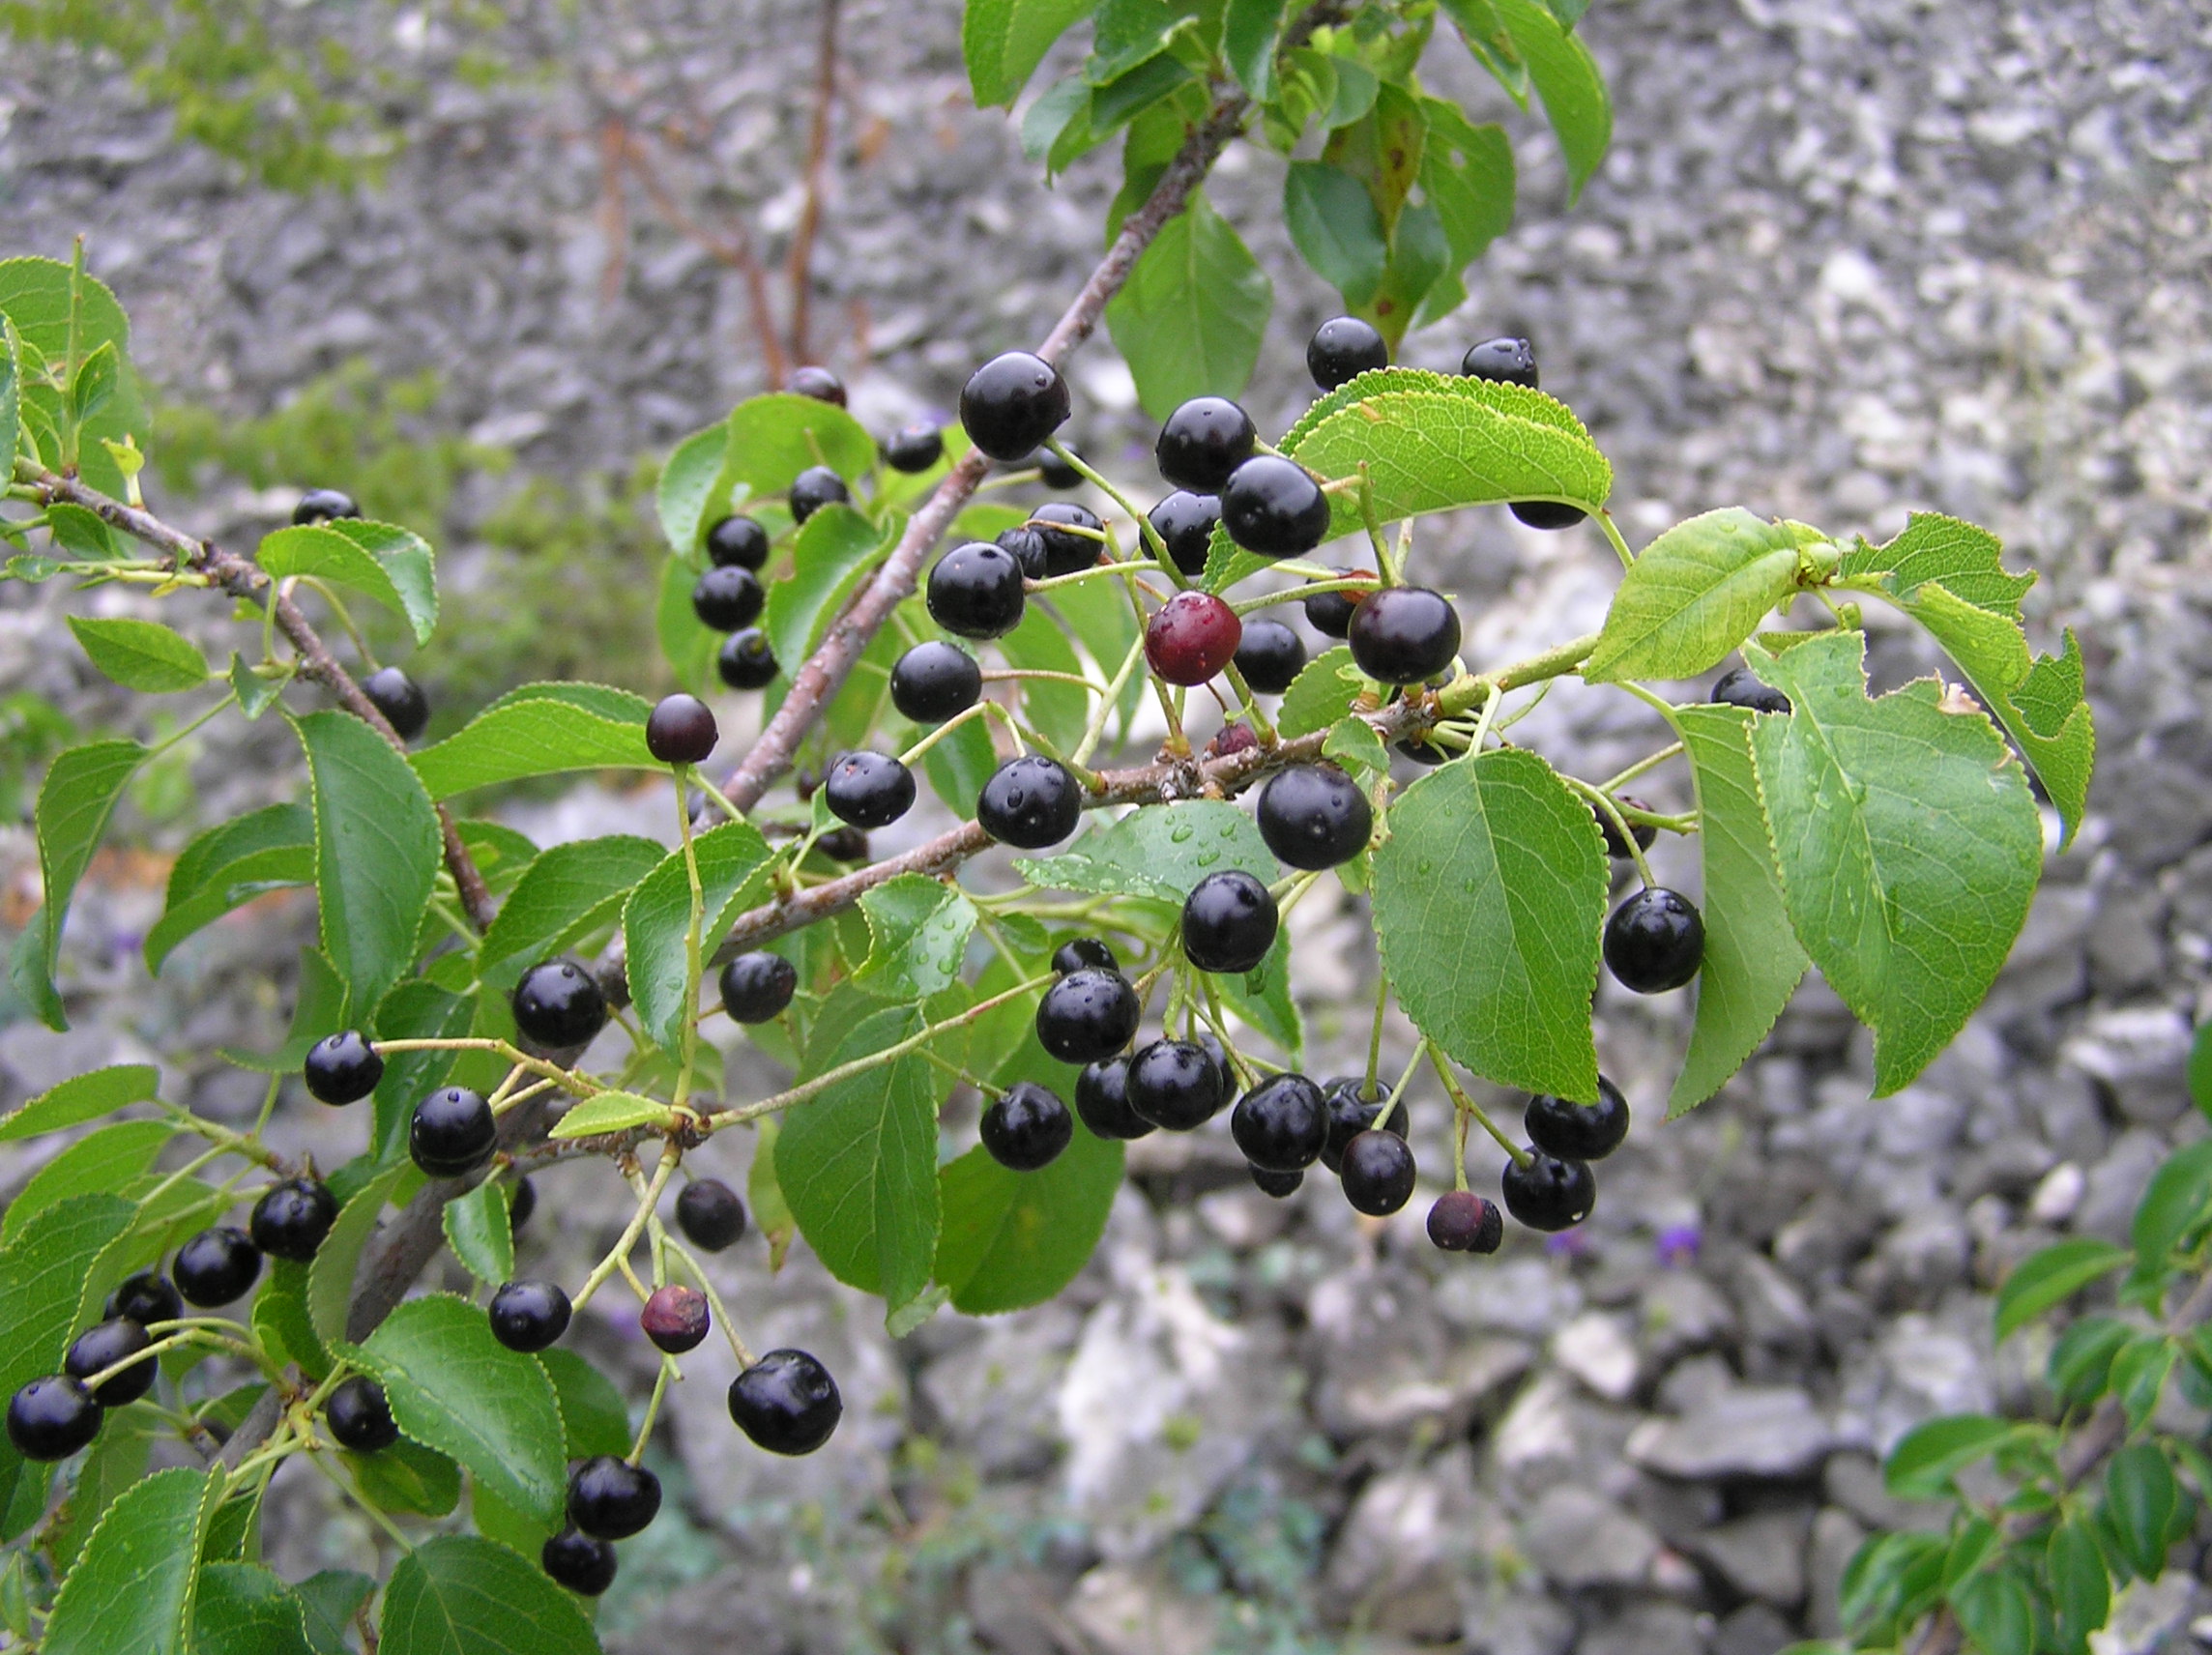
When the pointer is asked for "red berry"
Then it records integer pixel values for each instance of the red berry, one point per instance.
(681, 730)
(1192, 637)
(675, 1317)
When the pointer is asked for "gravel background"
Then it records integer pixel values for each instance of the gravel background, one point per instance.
(1846, 259)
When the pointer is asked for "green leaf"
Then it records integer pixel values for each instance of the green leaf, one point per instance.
(115, 1462)
(481, 1233)
(455, 1388)
(1061, 712)
(773, 437)
(1995, 1612)
(337, 1261)
(1160, 852)
(686, 643)
(835, 551)
(131, 1591)
(228, 866)
(11, 393)
(1420, 267)
(281, 1320)
(83, 534)
(457, 1595)
(408, 1477)
(35, 296)
(593, 1417)
(1319, 695)
(320, 552)
(1355, 743)
(536, 730)
(1927, 1457)
(918, 929)
(1190, 318)
(569, 891)
(2082, 1361)
(1697, 592)
(2177, 1200)
(959, 766)
(242, 1609)
(1890, 1576)
(684, 497)
(2139, 1372)
(1058, 115)
(2080, 1589)
(414, 1011)
(658, 913)
(1014, 1239)
(141, 655)
(1567, 79)
(1250, 30)
(2140, 1496)
(1335, 227)
(1467, 174)
(1752, 961)
(408, 564)
(2200, 1068)
(377, 851)
(2050, 1275)
(105, 1159)
(82, 1098)
(1262, 998)
(764, 1192)
(1487, 898)
(74, 803)
(1003, 41)
(503, 853)
(329, 1599)
(611, 1112)
(1965, 559)
(1909, 843)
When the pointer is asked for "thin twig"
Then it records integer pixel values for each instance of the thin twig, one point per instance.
(800, 274)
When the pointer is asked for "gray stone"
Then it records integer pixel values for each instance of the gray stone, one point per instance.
(1749, 1431)
(1648, 1628)
(1518, 1623)
(1405, 1547)
(1853, 1482)
(1753, 1630)
(1762, 1556)
(1836, 1540)
(1580, 1539)
(2117, 1184)
(1683, 1312)
(1125, 1611)
(2139, 1055)
(1529, 1296)
(1596, 1351)
(994, 1395)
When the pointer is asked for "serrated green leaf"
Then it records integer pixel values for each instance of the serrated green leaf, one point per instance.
(1467, 173)
(658, 913)
(11, 393)
(407, 1478)
(1014, 1239)
(2051, 1275)
(131, 1592)
(74, 803)
(377, 851)
(408, 564)
(684, 497)
(481, 1233)
(918, 929)
(228, 866)
(1003, 41)
(569, 891)
(242, 1609)
(1487, 898)
(1927, 1457)
(1963, 557)
(1250, 30)
(459, 1595)
(107, 1158)
(1060, 712)
(686, 643)
(329, 1599)
(1319, 695)
(2080, 1589)
(1355, 743)
(83, 534)
(593, 1417)
(35, 295)
(2082, 1358)
(773, 437)
(2139, 1372)
(82, 1098)
(1696, 593)
(337, 1261)
(1752, 962)
(1190, 317)
(503, 853)
(1160, 852)
(255, 694)
(833, 552)
(2140, 1496)
(281, 1320)
(320, 552)
(1334, 226)
(141, 655)
(524, 735)
(1567, 79)
(116, 1461)
(2177, 1200)
(611, 1112)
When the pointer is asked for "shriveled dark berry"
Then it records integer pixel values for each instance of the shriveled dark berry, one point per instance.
(610, 1498)
(1031, 802)
(1279, 1185)
(934, 681)
(578, 1562)
(51, 1419)
(726, 598)
(1102, 1101)
(1508, 360)
(1377, 1173)
(342, 1068)
(1342, 349)
(1352, 1111)
(1273, 508)
(452, 1133)
(1192, 637)
(1269, 656)
(1655, 941)
(1462, 1222)
(1027, 1127)
(1578, 1131)
(711, 1215)
(1012, 403)
(817, 382)
(1229, 922)
(559, 1004)
(360, 1415)
(400, 699)
(1055, 525)
(1087, 1016)
(1330, 613)
(99, 1348)
(291, 1219)
(786, 1402)
(1549, 1193)
(680, 730)
(1547, 513)
(1314, 816)
(868, 790)
(1739, 687)
(216, 1266)
(146, 1297)
(1177, 1084)
(1281, 1123)
(674, 1318)
(322, 505)
(813, 488)
(1203, 442)
(1184, 523)
(530, 1316)
(1616, 846)
(522, 1204)
(746, 659)
(757, 986)
(975, 591)
(1026, 545)
(736, 543)
(1404, 634)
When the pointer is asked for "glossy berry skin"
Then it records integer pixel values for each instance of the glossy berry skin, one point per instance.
(813, 488)
(1273, 508)
(934, 681)
(1549, 1193)
(360, 1416)
(1177, 1084)
(1739, 687)
(1087, 1016)
(1184, 523)
(1654, 941)
(1462, 1222)
(146, 1297)
(1507, 362)
(786, 1402)
(216, 1266)
(530, 1316)
(1078, 952)
(1403, 634)
(1012, 403)
(680, 730)
(1330, 613)
(1056, 473)
(736, 543)
(1229, 922)
(291, 1219)
(1377, 1173)
(320, 505)
(975, 591)
(1314, 816)
(676, 1319)
(583, 1565)
(559, 1004)
(843, 845)
(1616, 846)
(1065, 552)
(913, 448)
(611, 1499)
(1102, 1101)
(746, 659)
(1342, 349)
(1031, 802)
(342, 1068)
(1350, 1112)
(1269, 656)
(1578, 1131)
(101, 1347)
(521, 1205)
(1547, 513)
(711, 1215)
(1278, 1185)
(726, 598)
(1026, 545)
(868, 790)
(452, 1133)
(400, 699)
(1027, 1127)
(1203, 442)
(1191, 637)
(757, 986)
(817, 382)
(1281, 1123)
(51, 1419)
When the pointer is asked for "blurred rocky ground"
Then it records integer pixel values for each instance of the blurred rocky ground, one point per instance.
(1848, 257)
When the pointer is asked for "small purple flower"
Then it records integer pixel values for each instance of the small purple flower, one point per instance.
(1678, 1244)
(1567, 1244)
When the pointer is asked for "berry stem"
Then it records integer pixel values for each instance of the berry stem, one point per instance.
(1467, 1106)
(349, 1488)
(1147, 537)
(1177, 743)
(1383, 562)
(967, 715)
(722, 1316)
(716, 797)
(652, 1408)
(1245, 606)
(567, 1079)
(1603, 800)
(1008, 675)
(1612, 533)
(1375, 1036)
(694, 920)
(1053, 583)
(1654, 761)
(1262, 726)
(1490, 705)
(1460, 1119)
(1094, 731)
(619, 1254)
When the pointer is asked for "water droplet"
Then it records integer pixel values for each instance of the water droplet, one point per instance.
(1180, 833)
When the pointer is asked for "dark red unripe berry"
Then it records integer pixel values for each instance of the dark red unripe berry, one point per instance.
(1177, 1084)
(812, 489)
(1273, 508)
(98, 1348)
(817, 382)
(610, 1498)
(1269, 656)
(1087, 1016)
(1616, 846)
(521, 1205)
(216, 1266)
(1578, 1131)
(681, 731)
(915, 447)
(1281, 1123)
(360, 1416)
(726, 598)
(558, 1006)
(1352, 1111)
(1278, 1185)
(291, 1219)
(975, 591)
(342, 1068)
(1377, 1173)
(1509, 362)
(934, 681)
(578, 1562)
(1330, 613)
(400, 699)
(1654, 941)
(711, 1215)
(1027, 1127)
(530, 1316)
(1547, 513)
(1065, 551)
(1738, 686)
(51, 1419)
(674, 1318)
(1102, 1101)
(146, 1297)
(757, 986)
(1203, 442)
(1012, 403)
(1314, 816)
(746, 659)
(1549, 1193)
(320, 505)
(786, 1402)
(1191, 637)
(452, 1133)
(1404, 634)
(1229, 922)
(1344, 348)
(868, 790)
(736, 543)
(1184, 523)
(1031, 802)
(1462, 1222)
(1078, 952)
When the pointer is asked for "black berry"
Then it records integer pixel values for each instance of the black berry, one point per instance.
(915, 447)
(1739, 687)
(1510, 362)
(1056, 473)
(400, 699)
(1027, 1127)
(146, 1297)
(216, 1266)
(1654, 941)
(452, 1133)
(746, 659)
(1012, 403)
(611, 1499)
(786, 1402)
(578, 1562)
(1377, 1173)
(1087, 1016)
(1342, 349)
(1213, 1049)
(1102, 1101)
(975, 590)
(51, 1419)
(291, 1219)
(1191, 637)
(1077, 953)
(680, 730)
(530, 1316)
(1065, 551)
(1281, 1123)
(674, 1318)
(521, 1205)
(726, 598)
(1177, 1084)
(1314, 816)
(813, 488)
(868, 790)
(1424, 752)
(1330, 613)
(342, 1068)
(98, 1348)
(1462, 1222)
(1269, 656)
(1026, 545)
(757, 986)
(360, 1416)
(1184, 523)
(1404, 634)
(559, 1004)
(1031, 802)
(1549, 1193)
(711, 1215)
(843, 845)
(1616, 846)
(320, 505)
(817, 382)
(1229, 922)
(1279, 1185)
(736, 543)
(1203, 442)
(1547, 513)
(1578, 1131)
(935, 681)
(1352, 1111)
(1273, 508)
